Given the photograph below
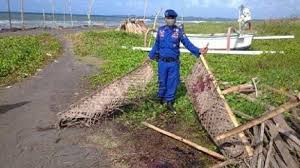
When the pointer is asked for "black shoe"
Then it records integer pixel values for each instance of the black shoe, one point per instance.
(159, 100)
(170, 107)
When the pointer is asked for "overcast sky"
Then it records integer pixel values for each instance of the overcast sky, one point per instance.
(203, 8)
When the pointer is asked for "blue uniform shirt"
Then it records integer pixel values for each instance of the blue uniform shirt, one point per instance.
(167, 43)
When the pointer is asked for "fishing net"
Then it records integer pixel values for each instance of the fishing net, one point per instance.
(104, 101)
(211, 110)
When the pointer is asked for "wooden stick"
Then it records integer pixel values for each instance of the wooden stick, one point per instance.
(249, 150)
(260, 148)
(269, 154)
(289, 105)
(192, 144)
(226, 163)
(241, 88)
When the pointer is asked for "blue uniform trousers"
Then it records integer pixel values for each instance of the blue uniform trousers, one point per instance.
(169, 79)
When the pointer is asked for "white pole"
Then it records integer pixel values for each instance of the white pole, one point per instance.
(70, 10)
(65, 6)
(53, 11)
(22, 13)
(91, 3)
(44, 18)
(145, 8)
(9, 14)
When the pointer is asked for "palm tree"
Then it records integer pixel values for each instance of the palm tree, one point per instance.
(22, 13)
(9, 14)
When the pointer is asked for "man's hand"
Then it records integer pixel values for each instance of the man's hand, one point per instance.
(203, 51)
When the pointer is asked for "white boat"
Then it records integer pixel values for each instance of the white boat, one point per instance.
(221, 41)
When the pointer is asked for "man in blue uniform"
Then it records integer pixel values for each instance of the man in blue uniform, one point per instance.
(166, 52)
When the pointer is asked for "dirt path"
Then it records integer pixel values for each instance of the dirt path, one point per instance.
(34, 103)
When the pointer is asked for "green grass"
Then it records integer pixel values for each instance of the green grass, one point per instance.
(106, 45)
(21, 56)
(281, 71)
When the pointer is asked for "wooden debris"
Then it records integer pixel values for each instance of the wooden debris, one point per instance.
(269, 154)
(245, 88)
(192, 144)
(284, 108)
(260, 147)
(132, 25)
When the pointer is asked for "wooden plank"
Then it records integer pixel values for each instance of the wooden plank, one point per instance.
(231, 52)
(261, 145)
(192, 144)
(281, 147)
(268, 158)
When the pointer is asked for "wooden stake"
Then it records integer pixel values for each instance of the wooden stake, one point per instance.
(249, 150)
(289, 105)
(192, 144)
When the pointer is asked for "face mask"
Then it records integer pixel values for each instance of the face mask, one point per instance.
(170, 22)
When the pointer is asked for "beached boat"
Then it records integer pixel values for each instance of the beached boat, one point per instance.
(221, 41)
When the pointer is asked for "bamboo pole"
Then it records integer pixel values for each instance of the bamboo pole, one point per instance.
(243, 137)
(65, 11)
(231, 52)
(91, 3)
(22, 13)
(192, 144)
(44, 18)
(53, 12)
(145, 8)
(9, 14)
(283, 108)
(71, 14)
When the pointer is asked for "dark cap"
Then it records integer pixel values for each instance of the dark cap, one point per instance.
(170, 13)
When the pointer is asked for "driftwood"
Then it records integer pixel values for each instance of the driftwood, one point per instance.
(192, 144)
(137, 26)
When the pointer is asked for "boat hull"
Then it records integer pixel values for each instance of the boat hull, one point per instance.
(221, 41)
(235, 42)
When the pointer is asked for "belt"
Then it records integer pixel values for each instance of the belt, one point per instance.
(169, 59)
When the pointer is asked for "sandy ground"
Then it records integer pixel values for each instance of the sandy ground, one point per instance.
(35, 102)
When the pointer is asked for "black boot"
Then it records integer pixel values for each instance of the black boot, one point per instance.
(170, 107)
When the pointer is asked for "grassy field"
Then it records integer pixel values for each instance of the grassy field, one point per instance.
(21, 56)
(281, 71)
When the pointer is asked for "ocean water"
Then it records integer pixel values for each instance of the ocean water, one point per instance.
(36, 20)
